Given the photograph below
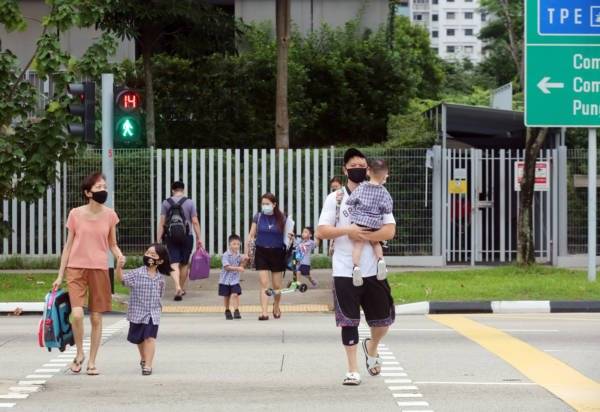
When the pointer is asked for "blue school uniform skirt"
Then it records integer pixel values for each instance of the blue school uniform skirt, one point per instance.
(139, 332)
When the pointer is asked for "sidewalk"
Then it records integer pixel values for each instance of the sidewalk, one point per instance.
(202, 296)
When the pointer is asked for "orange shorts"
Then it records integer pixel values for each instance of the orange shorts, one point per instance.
(94, 282)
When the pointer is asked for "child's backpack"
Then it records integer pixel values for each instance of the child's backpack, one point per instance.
(55, 329)
(176, 226)
(200, 267)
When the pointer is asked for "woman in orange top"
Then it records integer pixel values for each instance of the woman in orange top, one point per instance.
(92, 232)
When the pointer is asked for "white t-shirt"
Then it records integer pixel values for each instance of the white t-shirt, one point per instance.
(342, 251)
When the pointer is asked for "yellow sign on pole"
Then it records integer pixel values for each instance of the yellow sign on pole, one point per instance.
(457, 187)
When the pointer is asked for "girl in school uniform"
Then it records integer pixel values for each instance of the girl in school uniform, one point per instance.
(147, 288)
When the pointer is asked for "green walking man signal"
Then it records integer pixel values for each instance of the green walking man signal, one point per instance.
(128, 118)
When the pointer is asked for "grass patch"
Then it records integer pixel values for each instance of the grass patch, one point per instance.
(500, 283)
(33, 288)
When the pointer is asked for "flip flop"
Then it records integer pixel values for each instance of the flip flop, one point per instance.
(372, 362)
(92, 371)
(77, 364)
(351, 379)
(146, 371)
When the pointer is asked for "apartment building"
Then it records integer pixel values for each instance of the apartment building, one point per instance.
(453, 26)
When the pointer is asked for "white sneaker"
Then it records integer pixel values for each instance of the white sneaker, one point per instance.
(357, 279)
(352, 379)
(381, 270)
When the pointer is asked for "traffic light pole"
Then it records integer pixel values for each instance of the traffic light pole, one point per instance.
(108, 159)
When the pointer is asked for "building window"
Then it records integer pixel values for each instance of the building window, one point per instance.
(469, 15)
(483, 16)
(450, 15)
(434, 2)
(450, 1)
(418, 17)
(435, 50)
(468, 1)
(450, 32)
(435, 17)
(469, 49)
(468, 32)
(435, 34)
(450, 49)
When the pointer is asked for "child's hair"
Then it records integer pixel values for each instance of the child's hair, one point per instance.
(163, 254)
(336, 179)
(311, 230)
(232, 238)
(378, 166)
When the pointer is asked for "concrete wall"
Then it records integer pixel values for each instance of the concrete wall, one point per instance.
(309, 15)
(76, 41)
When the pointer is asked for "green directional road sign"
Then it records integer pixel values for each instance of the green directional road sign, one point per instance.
(562, 63)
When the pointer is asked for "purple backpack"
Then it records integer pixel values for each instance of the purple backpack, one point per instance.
(200, 268)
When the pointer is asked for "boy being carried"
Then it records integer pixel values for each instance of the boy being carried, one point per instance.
(367, 205)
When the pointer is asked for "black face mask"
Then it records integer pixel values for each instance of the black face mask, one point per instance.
(148, 261)
(100, 196)
(357, 175)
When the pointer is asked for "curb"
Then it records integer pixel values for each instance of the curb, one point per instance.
(498, 306)
(416, 308)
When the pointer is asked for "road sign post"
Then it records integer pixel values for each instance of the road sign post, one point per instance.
(562, 79)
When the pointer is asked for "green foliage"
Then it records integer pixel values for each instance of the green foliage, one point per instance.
(412, 129)
(30, 146)
(343, 85)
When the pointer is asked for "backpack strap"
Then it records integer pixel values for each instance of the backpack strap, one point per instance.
(182, 201)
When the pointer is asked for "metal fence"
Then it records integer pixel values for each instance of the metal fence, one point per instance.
(577, 198)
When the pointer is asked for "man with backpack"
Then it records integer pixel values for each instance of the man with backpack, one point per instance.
(177, 218)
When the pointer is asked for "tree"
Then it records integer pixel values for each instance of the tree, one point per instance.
(282, 123)
(31, 145)
(511, 14)
(150, 22)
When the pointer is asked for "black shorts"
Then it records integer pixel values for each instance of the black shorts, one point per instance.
(228, 290)
(272, 259)
(180, 253)
(374, 297)
(304, 270)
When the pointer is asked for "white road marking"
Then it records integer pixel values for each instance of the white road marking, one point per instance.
(397, 381)
(27, 389)
(388, 357)
(450, 330)
(390, 362)
(47, 370)
(57, 360)
(53, 365)
(29, 383)
(38, 376)
(403, 388)
(413, 403)
(15, 396)
(407, 395)
(390, 374)
(392, 368)
(7, 405)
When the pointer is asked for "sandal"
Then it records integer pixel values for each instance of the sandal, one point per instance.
(78, 364)
(352, 379)
(146, 371)
(277, 315)
(142, 364)
(373, 362)
(261, 317)
(93, 371)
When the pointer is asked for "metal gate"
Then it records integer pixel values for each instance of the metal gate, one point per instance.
(482, 205)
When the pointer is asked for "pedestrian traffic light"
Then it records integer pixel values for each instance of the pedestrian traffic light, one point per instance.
(128, 118)
(84, 107)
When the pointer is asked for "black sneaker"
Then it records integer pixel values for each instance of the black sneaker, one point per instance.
(236, 314)
(178, 298)
(228, 315)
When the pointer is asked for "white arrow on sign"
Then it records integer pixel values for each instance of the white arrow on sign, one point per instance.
(545, 85)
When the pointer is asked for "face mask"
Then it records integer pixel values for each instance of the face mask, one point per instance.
(357, 175)
(267, 209)
(148, 261)
(100, 196)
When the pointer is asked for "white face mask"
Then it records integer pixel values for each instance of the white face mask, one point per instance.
(267, 209)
